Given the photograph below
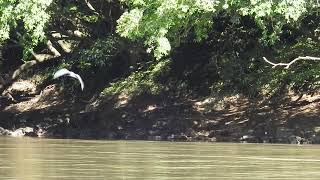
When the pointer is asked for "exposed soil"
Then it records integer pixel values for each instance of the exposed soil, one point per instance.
(64, 114)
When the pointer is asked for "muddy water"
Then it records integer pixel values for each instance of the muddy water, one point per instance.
(26, 158)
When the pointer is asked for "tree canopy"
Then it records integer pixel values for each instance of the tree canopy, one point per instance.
(26, 19)
(163, 23)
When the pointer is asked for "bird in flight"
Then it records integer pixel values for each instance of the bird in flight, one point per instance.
(66, 72)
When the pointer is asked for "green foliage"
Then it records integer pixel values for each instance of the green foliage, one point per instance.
(230, 60)
(260, 79)
(163, 23)
(75, 12)
(141, 81)
(99, 55)
(270, 16)
(302, 77)
(158, 22)
(237, 34)
(30, 16)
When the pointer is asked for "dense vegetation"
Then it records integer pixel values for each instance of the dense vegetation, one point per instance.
(161, 69)
(203, 46)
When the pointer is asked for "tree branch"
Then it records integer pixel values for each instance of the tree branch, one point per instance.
(287, 65)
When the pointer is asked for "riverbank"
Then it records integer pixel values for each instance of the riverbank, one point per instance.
(209, 74)
(61, 114)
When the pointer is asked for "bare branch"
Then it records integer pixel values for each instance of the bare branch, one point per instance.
(53, 49)
(287, 65)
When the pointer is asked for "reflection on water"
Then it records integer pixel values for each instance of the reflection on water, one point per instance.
(26, 158)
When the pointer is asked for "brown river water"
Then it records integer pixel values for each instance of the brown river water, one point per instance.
(28, 158)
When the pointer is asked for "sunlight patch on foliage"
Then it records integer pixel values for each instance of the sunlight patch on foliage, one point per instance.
(148, 20)
(140, 81)
(145, 19)
(34, 16)
(129, 22)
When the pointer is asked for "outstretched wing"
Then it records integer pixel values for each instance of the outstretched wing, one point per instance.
(60, 73)
(80, 80)
(63, 72)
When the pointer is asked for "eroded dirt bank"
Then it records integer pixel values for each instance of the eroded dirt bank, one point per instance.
(63, 114)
